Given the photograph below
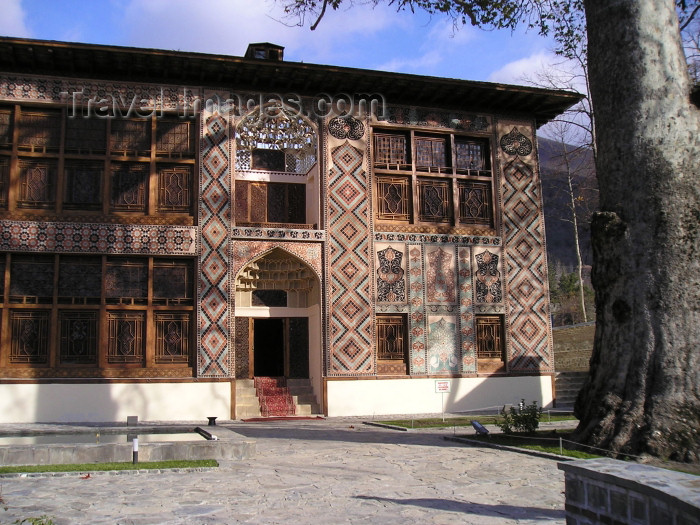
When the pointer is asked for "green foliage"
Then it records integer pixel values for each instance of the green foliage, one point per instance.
(93, 467)
(41, 520)
(526, 419)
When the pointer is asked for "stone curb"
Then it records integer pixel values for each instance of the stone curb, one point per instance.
(385, 425)
(94, 473)
(536, 453)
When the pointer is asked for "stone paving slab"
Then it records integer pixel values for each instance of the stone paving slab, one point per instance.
(313, 472)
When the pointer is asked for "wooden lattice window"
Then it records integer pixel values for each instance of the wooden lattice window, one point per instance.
(126, 281)
(391, 337)
(270, 202)
(174, 189)
(4, 180)
(86, 135)
(174, 138)
(78, 337)
(435, 200)
(431, 154)
(470, 156)
(39, 131)
(83, 185)
(37, 183)
(129, 186)
(490, 343)
(31, 279)
(2, 278)
(5, 128)
(30, 336)
(475, 203)
(172, 337)
(126, 342)
(390, 151)
(172, 282)
(131, 136)
(79, 280)
(393, 198)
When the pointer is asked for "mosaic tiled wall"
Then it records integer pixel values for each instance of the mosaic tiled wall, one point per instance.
(529, 327)
(466, 311)
(349, 252)
(125, 95)
(69, 237)
(214, 358)
(417, 319)
(245, 251)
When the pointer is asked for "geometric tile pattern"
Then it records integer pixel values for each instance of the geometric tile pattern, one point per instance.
(413, 116)
(350, 351)
(467, 240)
(440, 279)
(443, 349)
(417, 329)
(214, 358)
(526, 270)
(271, 233)
(466, 311)
(70, 237)
(159, 96)
(243, 252)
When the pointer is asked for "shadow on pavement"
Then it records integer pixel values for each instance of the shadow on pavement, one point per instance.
(479, 509)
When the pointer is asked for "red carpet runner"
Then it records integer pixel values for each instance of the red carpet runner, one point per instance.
(274, 396)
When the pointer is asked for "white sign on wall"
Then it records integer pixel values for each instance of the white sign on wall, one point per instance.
(442, 386)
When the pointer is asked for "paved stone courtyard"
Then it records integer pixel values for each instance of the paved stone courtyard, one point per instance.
(312, 472)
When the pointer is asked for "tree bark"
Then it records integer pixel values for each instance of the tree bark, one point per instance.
(643, 391)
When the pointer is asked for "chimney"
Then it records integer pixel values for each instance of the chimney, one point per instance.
(265, 51)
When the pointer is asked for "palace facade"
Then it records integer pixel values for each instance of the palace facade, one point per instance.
(174, 225)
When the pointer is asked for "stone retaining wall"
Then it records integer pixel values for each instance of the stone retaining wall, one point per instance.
(616, 492)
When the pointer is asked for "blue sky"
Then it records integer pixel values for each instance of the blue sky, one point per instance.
(363, 37)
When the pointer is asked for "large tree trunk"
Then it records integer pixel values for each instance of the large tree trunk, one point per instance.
(643, 392)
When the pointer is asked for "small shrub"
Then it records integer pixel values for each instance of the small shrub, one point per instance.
(41, 520)
(526, 419)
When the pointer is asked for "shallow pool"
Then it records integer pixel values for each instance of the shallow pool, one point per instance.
(98, 438)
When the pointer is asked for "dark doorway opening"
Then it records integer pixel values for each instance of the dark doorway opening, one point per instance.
(268, 347)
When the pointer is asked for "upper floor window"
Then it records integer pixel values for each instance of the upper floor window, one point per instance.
(50, 160)
(438, 178)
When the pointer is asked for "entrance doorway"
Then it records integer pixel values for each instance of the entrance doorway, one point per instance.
(268, 347)
(281, 347)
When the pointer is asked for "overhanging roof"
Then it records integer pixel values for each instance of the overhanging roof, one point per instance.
(44, 57)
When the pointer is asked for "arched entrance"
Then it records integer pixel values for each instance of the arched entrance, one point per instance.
(278, 305)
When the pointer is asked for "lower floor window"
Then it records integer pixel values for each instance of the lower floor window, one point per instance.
(391, 337)
(490, 342)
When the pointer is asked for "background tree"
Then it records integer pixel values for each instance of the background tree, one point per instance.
(643, 391)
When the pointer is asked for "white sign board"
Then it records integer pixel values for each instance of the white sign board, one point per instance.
(442, 386)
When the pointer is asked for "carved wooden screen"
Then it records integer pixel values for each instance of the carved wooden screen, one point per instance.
(86, 136)
(37, 182)
(269, 202)
(470, 156)
(79, 280)
(393, 198)
(31, 279)
(129, 186)
(83, 185)
(131, 137)
(78, 337)
(475, 203)
(30, 336)
(175, 188)
(172, 282)
(391, 337)
(390, 151)
(126, 281)
(431, 154)
(174, 138)
(126, 343)
(4, 180)
(489, 337)
(435, 200)
(5, 128)
(172, 337)
(39, 131)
